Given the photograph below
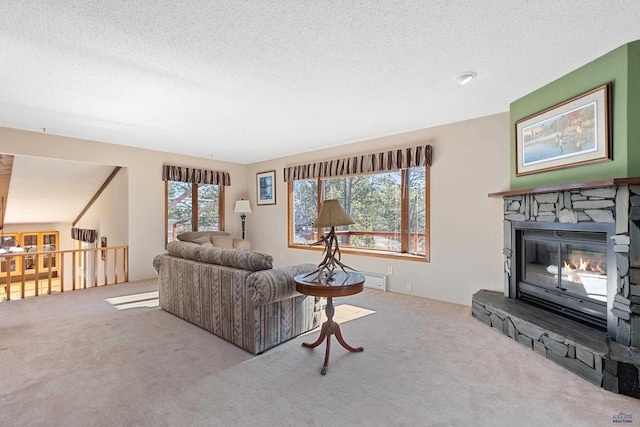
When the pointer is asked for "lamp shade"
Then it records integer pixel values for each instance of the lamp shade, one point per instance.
(242, 206)
(331, 215)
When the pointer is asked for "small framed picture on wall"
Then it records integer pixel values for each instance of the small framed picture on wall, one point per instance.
(266, 182)
(103, 244)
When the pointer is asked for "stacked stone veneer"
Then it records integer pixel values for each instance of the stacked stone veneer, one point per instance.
(618, 368)
(576, 347)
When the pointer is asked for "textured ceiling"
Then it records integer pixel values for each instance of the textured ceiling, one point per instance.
(246, 81)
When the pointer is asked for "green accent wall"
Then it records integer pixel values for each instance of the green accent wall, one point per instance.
(633, 110)
(621, 68)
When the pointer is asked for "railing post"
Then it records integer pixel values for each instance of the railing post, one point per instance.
(35, 283)
(22, 282)
(105, 262)
(117, 271)
(74, 262)
(84, 269)
(7, 268)
(95, 268)
(54, 263)
(61, 270)
(125, 263)
(49, 277)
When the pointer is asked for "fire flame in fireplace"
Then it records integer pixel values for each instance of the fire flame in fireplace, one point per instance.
(583, 266)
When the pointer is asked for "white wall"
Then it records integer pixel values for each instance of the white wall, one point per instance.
(470, 160)
(109, 213)
(143, 202)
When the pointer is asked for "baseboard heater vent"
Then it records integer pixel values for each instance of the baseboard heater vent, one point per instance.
(375, 281)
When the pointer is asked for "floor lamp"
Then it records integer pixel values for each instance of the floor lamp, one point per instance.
(243, 208)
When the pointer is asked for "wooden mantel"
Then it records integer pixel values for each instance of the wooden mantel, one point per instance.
(590, 184)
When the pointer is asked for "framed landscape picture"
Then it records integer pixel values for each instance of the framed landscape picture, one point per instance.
(266, 182)
(572, 133)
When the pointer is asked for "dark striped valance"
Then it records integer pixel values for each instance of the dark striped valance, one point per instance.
(378, 162)
(198, 176)
(84, 234)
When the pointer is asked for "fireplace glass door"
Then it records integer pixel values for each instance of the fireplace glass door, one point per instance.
(566, 271)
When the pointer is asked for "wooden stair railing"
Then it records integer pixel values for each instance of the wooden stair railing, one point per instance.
(112, 262)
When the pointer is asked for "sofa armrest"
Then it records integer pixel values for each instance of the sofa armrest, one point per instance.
(269, 286)
(157, 261)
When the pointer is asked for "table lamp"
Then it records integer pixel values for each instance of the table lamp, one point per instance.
(331, 215)
(242, 207)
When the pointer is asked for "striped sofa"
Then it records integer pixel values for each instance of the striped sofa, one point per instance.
(235, 294)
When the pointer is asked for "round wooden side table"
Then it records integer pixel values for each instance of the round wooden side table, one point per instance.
(342, 284)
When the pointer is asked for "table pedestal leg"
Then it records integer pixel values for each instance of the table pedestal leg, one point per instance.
(330, 328)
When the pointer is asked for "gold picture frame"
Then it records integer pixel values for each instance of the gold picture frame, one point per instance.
(572, 133)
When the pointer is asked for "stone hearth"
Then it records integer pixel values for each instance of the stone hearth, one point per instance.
(608, 359)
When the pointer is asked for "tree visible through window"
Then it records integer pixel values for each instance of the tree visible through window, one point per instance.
(192, 207)
(382, 205)
(305, 206)
(208, 207)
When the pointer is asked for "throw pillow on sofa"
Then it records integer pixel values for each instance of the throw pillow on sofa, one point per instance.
(190, 236)
(222, 241)
(202, 241)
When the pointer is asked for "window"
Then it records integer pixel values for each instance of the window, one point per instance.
(382, 205)
(305, 208)
(194, 200)
(193, 207)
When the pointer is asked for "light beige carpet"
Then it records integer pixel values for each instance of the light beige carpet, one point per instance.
(102, 357)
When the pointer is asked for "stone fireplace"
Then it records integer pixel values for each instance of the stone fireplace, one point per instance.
(572, 279)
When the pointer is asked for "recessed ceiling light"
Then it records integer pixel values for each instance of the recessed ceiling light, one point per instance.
(464, 78)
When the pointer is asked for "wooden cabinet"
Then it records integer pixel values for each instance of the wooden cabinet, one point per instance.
(30, 245)
(7, 242)
(49, 244)
(35, 258)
